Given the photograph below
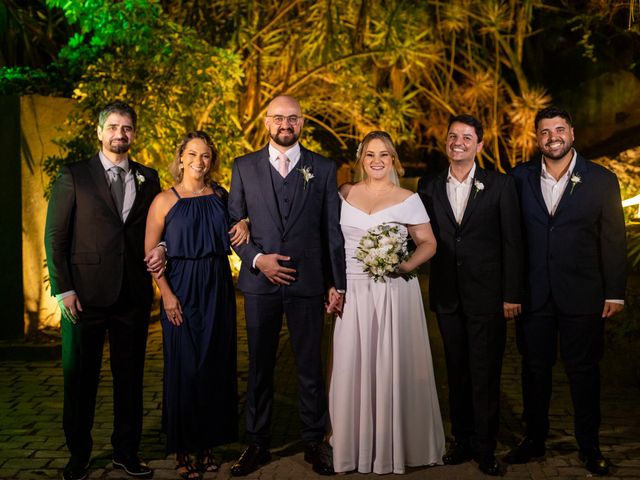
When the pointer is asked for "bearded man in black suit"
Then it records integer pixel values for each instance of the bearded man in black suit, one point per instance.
(94, 241)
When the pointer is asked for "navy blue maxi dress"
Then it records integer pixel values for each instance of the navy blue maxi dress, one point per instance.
(200, 385)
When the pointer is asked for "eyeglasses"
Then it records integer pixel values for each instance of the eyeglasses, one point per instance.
(279, 119)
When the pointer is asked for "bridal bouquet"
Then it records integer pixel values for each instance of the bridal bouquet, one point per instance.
(381, 250)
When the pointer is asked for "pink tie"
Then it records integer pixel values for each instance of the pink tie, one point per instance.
(283, 165)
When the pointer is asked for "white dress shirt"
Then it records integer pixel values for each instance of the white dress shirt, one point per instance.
(458, 192)
(553, 189)
(293, 154)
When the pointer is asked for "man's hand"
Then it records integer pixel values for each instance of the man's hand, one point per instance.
(70, 306)
(239, 233)
(511, 310)
(335, 301)
(611, 308)
(275, 273)
(156, 261)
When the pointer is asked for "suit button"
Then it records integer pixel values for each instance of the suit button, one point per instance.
(458, 239)
(284, 183)
(286, 200)
(551, 229)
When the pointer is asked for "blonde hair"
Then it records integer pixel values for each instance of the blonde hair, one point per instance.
(398, 171)
(176, 168)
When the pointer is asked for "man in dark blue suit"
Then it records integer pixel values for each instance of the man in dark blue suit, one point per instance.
(575, 239)
(295, 257)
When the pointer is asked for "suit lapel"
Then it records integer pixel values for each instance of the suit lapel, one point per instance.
(440, 192)
(265, 185)
(301, 191)
(534, 182)
(475, 194)
(102, 186)
(580, 171)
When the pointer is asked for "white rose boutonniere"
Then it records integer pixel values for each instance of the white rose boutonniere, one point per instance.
(477, 187)
(307, 175)
(575, 179)
(139, 179)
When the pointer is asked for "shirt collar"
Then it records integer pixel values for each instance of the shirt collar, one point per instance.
(293, 154)
(572, 165)
(466, 181)
(107, 164)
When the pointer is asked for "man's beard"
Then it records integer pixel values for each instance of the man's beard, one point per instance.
(282, 142)
(119, 148)
(560, 154)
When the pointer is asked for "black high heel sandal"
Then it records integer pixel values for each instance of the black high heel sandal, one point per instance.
(185, 467)
(207, 461)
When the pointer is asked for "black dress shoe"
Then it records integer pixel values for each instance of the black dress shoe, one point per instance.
(75, 470)
(132, 466)
(594, 461)
(457, 453)
(527, 449)
(250, 460)
(489, 466)
(320, 456)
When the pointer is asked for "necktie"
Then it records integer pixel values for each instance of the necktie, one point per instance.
(283, 165)
(117, 187)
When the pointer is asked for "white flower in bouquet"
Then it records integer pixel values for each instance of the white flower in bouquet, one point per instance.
(381, 250)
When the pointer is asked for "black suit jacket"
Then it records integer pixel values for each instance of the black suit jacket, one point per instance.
(478, 264)
(578, 255)
(311, 236)
(89, 248)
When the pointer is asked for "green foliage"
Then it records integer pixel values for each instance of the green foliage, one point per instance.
(355, 65)
(174, 80)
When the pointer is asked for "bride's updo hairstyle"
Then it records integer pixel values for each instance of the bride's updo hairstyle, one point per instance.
(388, 143)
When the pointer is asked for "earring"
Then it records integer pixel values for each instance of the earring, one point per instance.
(181, 166)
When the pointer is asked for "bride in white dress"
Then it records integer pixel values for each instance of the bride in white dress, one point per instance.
(383, 402)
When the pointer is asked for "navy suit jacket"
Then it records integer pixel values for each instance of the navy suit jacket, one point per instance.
(577, 257)
(478, 264)
(311, 236)
(89, 248)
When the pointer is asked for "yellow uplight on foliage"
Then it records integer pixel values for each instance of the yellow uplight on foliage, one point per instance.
(631, 202)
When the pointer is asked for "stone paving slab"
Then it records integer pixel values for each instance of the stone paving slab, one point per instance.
(32, 443)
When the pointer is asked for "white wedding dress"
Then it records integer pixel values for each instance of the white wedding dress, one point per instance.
(382, 394)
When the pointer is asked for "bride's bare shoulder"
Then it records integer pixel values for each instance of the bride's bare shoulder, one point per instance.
(403, 193)
(345, 188)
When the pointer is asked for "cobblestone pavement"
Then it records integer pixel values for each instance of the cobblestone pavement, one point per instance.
(32, 444)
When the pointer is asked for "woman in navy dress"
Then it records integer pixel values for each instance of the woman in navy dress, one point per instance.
(198, 308)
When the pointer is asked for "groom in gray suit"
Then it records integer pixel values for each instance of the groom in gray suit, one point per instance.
(293, 262)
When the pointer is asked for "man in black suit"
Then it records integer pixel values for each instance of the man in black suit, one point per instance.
(94, 241)
(294, 257)
(575, 238)
(475, 283)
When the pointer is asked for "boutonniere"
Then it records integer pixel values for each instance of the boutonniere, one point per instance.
(139, 179)
(477, 187)
(575, 179)
(306, 175)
